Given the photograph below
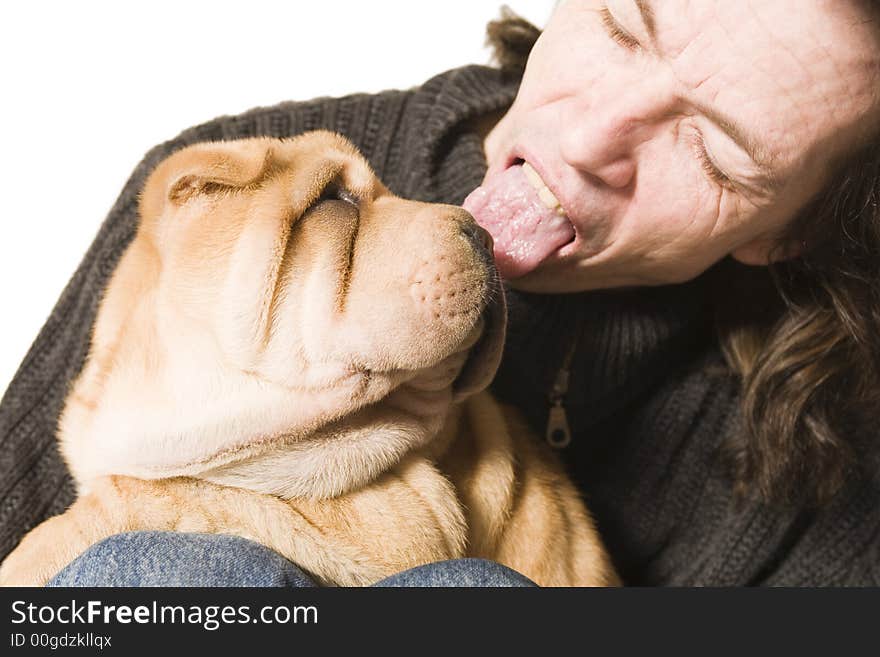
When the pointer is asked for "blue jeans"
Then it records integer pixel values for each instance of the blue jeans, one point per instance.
(176, 559)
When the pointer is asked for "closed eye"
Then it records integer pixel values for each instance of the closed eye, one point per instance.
(616, 32)
(343, 194)
(707, 164)
(336, 192)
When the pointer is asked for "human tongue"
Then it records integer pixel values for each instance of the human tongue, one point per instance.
(524, 229)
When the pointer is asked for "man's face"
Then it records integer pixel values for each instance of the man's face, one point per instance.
(672, 133)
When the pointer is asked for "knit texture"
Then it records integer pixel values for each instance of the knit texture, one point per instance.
(650, 402)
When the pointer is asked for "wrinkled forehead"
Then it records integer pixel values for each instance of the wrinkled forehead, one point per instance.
(315, 161)
(273, 184)
(801, 75)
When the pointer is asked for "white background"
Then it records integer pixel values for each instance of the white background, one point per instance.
(87, 88)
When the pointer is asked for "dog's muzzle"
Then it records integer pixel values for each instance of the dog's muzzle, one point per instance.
(485, 356)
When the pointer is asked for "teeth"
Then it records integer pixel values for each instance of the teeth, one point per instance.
(544, 193)
(547, 198)
(532, 175)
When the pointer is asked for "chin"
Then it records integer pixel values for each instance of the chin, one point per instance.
(570, 276)
(549, 281)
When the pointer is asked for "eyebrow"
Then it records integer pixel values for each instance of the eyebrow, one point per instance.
(730, 127)
(743, 139)
(647, 13)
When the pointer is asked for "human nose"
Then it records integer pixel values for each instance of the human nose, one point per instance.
(601, 139)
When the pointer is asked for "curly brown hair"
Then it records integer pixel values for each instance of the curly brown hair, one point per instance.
(803, 334)
(809, 354)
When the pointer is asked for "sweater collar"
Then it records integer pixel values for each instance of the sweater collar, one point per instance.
(447, 162)
(623, 342)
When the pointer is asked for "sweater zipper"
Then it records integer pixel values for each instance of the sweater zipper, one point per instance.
(558, 433)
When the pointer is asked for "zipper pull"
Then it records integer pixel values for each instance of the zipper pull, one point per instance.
(558, 433)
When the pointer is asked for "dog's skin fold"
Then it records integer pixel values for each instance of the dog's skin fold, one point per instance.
(289, 353)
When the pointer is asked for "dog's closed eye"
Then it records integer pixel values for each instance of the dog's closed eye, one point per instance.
(336, 192)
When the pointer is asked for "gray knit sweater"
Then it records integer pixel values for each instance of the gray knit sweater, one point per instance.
(649, 402)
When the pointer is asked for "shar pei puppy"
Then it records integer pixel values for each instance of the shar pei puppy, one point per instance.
(290, 353)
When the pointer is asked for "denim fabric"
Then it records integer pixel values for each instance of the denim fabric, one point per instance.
(176, 559)
(458, 572)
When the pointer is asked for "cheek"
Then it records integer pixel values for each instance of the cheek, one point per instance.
(672, 197)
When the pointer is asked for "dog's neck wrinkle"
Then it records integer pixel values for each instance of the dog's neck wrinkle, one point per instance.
(437, 447)
(343, 456)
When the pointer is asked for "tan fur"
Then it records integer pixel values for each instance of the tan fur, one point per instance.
(289, 353)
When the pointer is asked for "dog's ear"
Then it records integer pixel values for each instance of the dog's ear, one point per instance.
(206, 168)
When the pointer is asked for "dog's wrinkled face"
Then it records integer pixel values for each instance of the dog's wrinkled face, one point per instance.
(278, 301)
